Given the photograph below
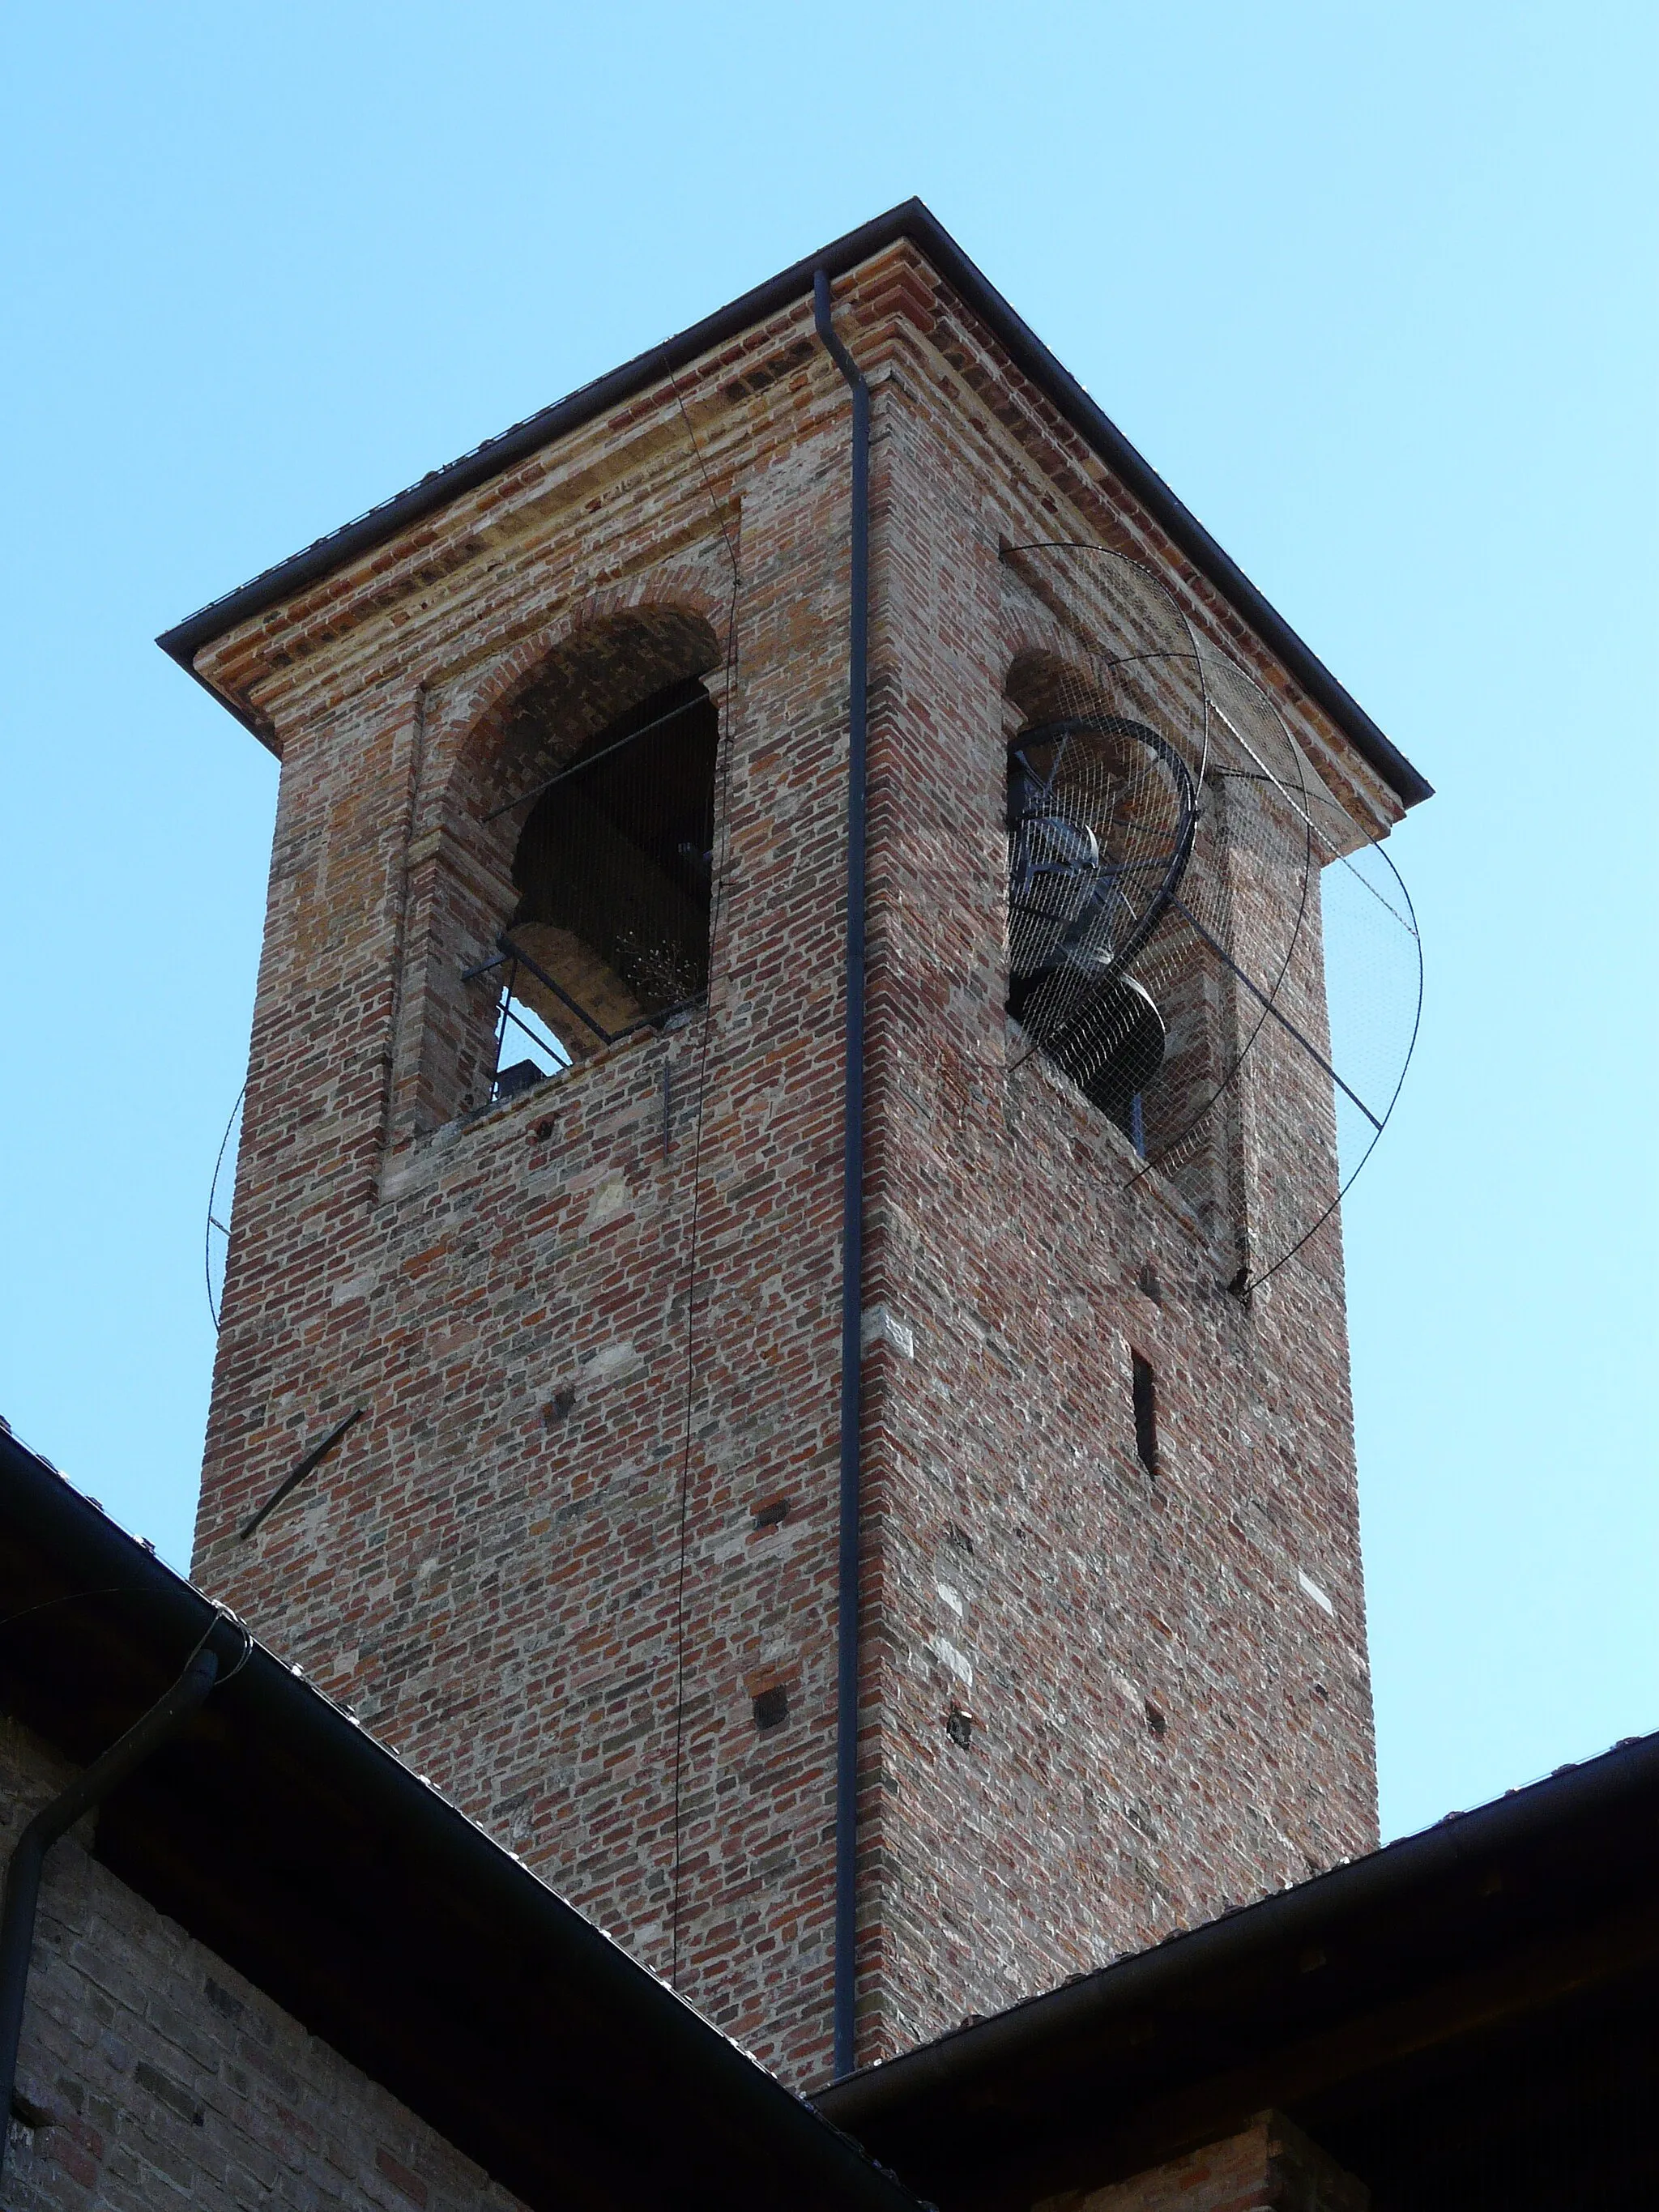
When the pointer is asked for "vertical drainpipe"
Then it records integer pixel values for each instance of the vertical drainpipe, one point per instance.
(23, 1871)
(852, 1245)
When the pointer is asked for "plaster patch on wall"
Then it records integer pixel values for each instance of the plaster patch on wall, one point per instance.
(608, 1202)
(612, 1363)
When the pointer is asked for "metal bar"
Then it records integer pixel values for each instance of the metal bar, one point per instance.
(844, 2000)
(1285, 1023)
(507, 1015)
(510, 950)
(484, 967)
(520, 1023)
(517, 954)
(312, 1459)
(213, 1191)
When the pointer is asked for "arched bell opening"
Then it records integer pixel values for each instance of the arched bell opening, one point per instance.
(1101, 811)
(613, 871)
(567, 901)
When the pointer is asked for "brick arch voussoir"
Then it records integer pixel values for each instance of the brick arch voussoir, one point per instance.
(1035, 661)
(477, 717)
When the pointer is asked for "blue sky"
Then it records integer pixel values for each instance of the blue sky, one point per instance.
(1372, 287)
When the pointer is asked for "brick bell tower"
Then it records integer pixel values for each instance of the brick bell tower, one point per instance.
(542, 1176)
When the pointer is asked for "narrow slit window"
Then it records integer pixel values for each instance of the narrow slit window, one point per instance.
(1144, 1390)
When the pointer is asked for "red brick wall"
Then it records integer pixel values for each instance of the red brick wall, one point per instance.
(150, 2074)
(509, 1599)
(1165, 1722)
(1269, 2166)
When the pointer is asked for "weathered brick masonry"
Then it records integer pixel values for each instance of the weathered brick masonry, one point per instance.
(1164, 1719)
(1269, 2166)
(152, 2074)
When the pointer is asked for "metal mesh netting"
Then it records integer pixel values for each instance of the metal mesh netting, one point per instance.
(1104, 784)
(215, 1235)
(1103, 813)
(1167, 842)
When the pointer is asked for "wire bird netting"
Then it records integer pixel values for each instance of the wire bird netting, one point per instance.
(1201, 935)
(216, 1234)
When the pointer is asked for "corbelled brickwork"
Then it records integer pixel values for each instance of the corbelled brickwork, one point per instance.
(578, 1560)
(151, 2073)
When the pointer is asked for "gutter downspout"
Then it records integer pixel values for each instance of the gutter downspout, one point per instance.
(28, 1857)
(852, 1244)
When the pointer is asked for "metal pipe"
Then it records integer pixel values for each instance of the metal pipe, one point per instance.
(28, 1860)
(312, 1459)
(844, 2014)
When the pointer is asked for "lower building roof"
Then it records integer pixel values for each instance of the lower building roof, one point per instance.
(305, 1854)
(1466, 2019)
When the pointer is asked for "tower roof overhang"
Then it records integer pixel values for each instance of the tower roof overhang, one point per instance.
(913, 221)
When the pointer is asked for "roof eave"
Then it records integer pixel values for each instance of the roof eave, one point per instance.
(1599, 1789)
(910, 220)
(268, 1702)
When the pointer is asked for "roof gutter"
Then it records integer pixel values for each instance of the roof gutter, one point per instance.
(28, 1858)
(1294, 1918)
(713, 2070)
(912, 221)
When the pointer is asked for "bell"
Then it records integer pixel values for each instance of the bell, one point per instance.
(1113, 1052)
